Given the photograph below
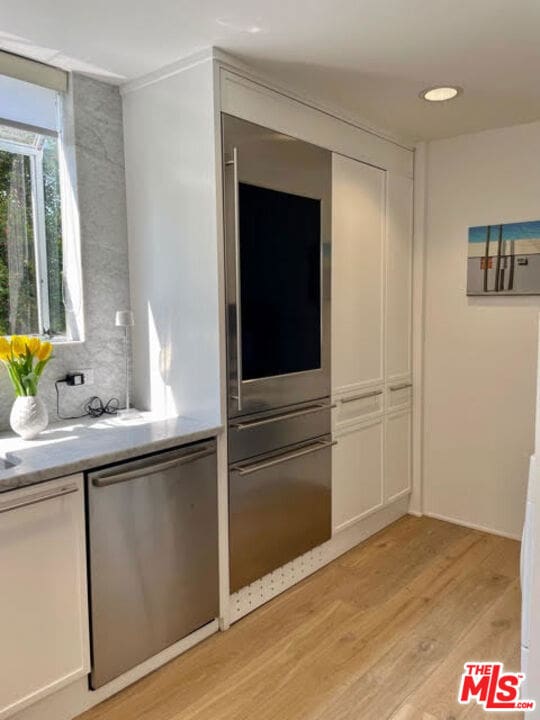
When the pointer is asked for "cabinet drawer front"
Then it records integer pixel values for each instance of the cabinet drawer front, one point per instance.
(399, 394)
(359, 404)
(43, 603)
(279, 509)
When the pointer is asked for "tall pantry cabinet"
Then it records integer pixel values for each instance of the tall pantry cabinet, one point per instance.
(371, 338)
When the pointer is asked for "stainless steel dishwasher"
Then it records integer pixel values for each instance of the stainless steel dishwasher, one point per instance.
(153, 545)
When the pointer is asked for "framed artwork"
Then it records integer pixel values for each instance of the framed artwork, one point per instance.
(504, 259)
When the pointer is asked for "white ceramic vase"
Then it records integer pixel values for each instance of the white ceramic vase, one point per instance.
(28, 417)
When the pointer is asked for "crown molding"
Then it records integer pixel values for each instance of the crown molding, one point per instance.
(167, 71)
(233, 64)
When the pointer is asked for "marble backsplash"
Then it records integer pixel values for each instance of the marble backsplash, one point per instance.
(99, 154)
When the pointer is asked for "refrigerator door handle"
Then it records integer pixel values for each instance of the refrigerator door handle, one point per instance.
(238, 279)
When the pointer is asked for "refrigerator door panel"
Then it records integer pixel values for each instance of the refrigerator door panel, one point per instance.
(277, 213)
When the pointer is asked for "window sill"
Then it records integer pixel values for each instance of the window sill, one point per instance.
(64, 342)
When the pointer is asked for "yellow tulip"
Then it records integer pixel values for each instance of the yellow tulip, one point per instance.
(18, 344)
(34, 344)
(5, 349)
(44, 351)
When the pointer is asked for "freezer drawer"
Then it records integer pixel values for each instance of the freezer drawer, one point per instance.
(153, 543)
(265, 432)
(280, 507)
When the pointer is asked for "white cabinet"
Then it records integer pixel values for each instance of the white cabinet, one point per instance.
(358, 220)
(358, 463)
(398, 277)
(397, 474)
(43, 600)
(371, 338)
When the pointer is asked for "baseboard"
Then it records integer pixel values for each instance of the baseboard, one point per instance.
(472, 526)
(261, 591)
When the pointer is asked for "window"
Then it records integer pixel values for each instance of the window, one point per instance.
(31, 262)
(40, 268)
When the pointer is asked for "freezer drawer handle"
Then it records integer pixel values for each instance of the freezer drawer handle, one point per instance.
(38, 498)
(402, 386)
(284, 416)
(234, 163)
(146, 470)
(249, 469)
(373, 393)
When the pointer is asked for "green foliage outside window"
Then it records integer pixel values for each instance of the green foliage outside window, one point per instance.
(53, 231)
(20, 221)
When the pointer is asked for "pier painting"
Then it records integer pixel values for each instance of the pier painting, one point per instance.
(504, 259)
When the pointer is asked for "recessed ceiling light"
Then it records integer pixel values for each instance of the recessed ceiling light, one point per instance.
(440, 93)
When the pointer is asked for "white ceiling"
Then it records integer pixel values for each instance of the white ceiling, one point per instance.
(370, 57)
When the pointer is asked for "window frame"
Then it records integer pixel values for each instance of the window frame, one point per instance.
(49, 112)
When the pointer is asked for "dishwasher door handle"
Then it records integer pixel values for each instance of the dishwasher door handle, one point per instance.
(106, 479)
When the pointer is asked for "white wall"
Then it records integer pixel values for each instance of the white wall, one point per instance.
(479, 353)
(172, 221)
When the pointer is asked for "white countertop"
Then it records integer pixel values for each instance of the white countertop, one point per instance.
(74, 446)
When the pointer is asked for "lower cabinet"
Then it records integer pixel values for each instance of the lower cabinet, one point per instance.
(357, 472)
(43, 599)
(371, 466)
(397, 473)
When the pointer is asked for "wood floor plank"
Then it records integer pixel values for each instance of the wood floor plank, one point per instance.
(359, 639)
(492, 637)
(409, 712)
(420, 642)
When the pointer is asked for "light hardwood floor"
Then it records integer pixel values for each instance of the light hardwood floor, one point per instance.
(379, 634)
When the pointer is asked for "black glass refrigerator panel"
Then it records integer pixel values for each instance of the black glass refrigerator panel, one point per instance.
(280, 270)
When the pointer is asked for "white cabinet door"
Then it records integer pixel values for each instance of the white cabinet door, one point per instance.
(357, 473)
(397, 465)
(358, 219)
(398, 276)
(43, 601)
